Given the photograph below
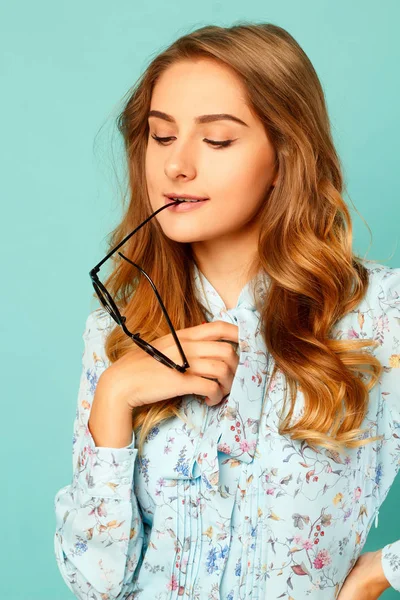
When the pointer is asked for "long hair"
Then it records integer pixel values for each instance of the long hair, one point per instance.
(305, 244)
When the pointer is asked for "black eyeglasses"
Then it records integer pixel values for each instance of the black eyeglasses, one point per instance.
(109, 304)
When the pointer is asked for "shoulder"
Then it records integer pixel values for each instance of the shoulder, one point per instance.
(383, 298)
(379, 309)
(381, 277)
(383, 293)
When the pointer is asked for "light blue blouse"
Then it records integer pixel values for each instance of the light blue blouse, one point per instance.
(220, 506)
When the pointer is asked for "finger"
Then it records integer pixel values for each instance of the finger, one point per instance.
(216, 330)
(211, 369)
(212, 350)
(221, 330)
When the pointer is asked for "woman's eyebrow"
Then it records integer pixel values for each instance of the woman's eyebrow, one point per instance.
(200, 119)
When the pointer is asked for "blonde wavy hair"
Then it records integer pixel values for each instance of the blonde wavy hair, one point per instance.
(305, 244)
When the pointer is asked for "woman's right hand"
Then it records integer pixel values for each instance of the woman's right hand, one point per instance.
(137, 379)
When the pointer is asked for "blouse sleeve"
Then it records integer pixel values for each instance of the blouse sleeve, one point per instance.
(387, 330)
(99, 530)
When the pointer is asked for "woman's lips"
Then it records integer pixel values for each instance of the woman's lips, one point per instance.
(167, 199)
(174, 195)
(184, 206)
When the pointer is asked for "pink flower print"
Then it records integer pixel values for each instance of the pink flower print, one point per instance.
(297, 539)
(259, 378)
(357, 494)
(87, 449)
(246, 363)
(173, 583)
(224, 447)
(322, 559)
(161, 482)
(247, 446)
(244, 445)
(270, 492)
(352, 334)
(381, 325)
(167, 449)
(307, 544)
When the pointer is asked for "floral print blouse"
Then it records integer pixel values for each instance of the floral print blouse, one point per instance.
(220, 506)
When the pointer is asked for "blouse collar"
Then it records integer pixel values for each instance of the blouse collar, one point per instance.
(251, 296)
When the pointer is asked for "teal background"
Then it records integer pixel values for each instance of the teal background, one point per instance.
(65, 67)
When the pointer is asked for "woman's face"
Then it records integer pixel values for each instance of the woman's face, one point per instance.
(235, 178)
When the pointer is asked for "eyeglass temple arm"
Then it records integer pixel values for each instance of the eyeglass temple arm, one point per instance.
(93, 274)
(183, 357)
(97, 267)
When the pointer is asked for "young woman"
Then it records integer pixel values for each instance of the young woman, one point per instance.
(242, 444)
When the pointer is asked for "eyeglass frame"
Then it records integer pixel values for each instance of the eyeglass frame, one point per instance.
(146, 346)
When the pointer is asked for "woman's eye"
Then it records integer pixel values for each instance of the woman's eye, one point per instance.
(221, 144)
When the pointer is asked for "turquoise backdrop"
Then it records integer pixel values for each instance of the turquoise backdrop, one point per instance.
(65, 67)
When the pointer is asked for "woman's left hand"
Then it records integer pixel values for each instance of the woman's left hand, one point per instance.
(366, 580)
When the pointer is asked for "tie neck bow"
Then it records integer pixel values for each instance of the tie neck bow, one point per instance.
(232, 426)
